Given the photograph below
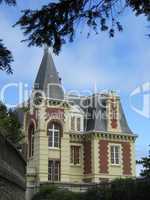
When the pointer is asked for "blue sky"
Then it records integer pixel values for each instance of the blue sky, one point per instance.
(121, 63)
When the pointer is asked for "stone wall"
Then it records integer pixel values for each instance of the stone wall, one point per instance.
(12, 172)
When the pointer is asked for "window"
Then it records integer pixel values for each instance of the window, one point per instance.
(54, 135)
(115, 154)
(31, 140)
(78, 124)
(54, 170)
(75, 155)
(73, 123)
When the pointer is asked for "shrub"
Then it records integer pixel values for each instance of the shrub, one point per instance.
(45, 193)
(53, 193)
(120, 189)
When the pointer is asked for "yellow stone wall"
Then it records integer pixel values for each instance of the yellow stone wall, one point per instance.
(76, 171)
(38, 164)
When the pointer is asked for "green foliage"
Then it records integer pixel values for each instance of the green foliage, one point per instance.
(5, 58)
(45, 193)
(123, 189)
(140, 7)
(9, 2)
(9, 125)
(129, 189)
(5, 55)
(57, 22)
(145, 162)
(53, 193)
(120, 189)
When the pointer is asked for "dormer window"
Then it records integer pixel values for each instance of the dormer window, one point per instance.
(54, 131)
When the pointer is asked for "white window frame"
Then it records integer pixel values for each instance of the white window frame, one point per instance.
(54, 131)
(72, 160)
(55, 166)
(114, 154)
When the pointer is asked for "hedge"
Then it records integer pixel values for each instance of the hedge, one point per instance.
(120, 189)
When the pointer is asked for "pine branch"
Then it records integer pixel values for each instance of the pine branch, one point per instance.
(9, 2)
(56, 23)
(5, 59)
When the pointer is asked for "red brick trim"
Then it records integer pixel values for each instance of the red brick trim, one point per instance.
(103, 156)
(87, 157)
(31, 130)
(126, 156)
(33, 119)
(126, 151)
(113, 114)
(54, 113)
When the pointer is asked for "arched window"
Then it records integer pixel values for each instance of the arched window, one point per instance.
(54, 133)
(31, 140)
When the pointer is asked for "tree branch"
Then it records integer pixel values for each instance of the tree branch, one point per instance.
(5, 59)
(9, 2)
(54, 23)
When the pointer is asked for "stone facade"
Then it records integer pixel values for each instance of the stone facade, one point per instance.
(75, 140)
(9, 191)
(12, 172)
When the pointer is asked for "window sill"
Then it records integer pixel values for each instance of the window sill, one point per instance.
(75, 165)
(49, 181)
(76, 131)
(53, 148)
(115, 165)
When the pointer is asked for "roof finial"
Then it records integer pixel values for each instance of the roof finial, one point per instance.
(46, 48)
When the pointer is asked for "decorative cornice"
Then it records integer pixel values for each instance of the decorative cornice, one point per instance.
(57, 103)
(102, 135)
(74, 137)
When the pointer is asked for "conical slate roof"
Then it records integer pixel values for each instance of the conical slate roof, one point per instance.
(48, 79)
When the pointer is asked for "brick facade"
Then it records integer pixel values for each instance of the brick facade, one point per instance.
(104, 158)
(126, 158)
(114, 123)
(87, 157)
(54, 113)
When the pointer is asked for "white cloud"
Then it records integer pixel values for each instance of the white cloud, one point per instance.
(110, 63)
